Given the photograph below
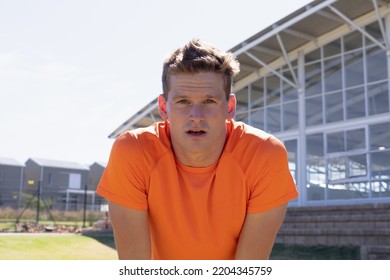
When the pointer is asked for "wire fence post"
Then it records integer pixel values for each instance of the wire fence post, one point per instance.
(85, 205)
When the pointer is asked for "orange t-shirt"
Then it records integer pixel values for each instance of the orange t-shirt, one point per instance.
(197, 213)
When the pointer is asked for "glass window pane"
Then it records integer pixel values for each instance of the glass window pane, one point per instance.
(316, 172)
(333, 74)
(256, 104)
(380, 165)
(273, 90)
(335, 142)
(380, 188)
(242, 100)
(378, 98)
(257, 94)
(354, 74)
(257, 118)
(353, 41)
(293, 63)
(313, 79)
(273, 118)
(356, 104)
(313, 56)
(357, 166)
(380, 136)
(376, 64)
(380, 174)
(313, 109)
(315, 145)
(374, 30)
(292, 150)
(241, 117)
(315, 179)
(290, 115)
(356, 190)
(356, 139)
(332, 48)
(290, 93)
(334, 107)
(315, 167)
(337, 168)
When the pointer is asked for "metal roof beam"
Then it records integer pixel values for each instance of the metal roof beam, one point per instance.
(382, 3)
(323, 39)
(248, 68)
(380, 21)
(152, 105)
(357, 27)
(152, 117)
(265, 65)
(285, 55)
(247, 46)
(299, 34)
(267, 50)
(330, 16)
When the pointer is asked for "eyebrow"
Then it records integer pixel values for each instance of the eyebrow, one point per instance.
(190, 97)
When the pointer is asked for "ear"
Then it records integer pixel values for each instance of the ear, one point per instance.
(162, 107)
(232, 106)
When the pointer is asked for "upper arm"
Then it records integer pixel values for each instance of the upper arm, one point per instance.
(131, 232)
(259, 232)
(125, 177)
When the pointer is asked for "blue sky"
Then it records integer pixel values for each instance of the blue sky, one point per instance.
(73, 71)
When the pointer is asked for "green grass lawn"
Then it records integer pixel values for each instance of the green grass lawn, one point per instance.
(77, 247)
(56, 247)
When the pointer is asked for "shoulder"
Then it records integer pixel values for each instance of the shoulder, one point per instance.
(241, 134)
(250, 145)
(154, 134)
(149, 141)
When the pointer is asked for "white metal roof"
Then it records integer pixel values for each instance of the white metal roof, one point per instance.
(311, 26)
(9, 162)
(59, 164)
(99, 163)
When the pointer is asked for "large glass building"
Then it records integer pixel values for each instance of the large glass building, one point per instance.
(319, 80)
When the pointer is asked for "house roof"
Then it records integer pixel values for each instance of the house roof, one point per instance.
(102, 164)
(9, 161)
(316, 24)
(59, 164)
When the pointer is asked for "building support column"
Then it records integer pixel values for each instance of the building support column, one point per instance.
(301, 168)
(387, 30)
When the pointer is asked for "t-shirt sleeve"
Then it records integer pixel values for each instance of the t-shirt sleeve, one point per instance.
(272, 183)
(124, 179)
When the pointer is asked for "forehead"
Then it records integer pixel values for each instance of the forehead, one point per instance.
(193, 82)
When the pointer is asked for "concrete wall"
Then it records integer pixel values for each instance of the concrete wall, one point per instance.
(367, 226)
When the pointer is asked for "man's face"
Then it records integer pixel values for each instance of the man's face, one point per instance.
(197, 110)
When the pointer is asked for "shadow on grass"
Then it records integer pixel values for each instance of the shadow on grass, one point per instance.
(297, 252)
(287, 252)
(105, 240)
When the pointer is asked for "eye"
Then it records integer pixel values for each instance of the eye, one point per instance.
(183, 101)
(209, 101)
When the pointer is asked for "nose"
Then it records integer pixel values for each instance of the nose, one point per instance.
(196, 112)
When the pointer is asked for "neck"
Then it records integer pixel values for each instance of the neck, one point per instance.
(199, 159)
(198, 156)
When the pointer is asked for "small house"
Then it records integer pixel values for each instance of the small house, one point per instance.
(61, 185)
(11, 182)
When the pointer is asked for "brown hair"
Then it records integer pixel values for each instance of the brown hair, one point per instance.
(196, 56)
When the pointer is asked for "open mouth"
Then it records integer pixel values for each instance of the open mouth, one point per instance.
(196, 132)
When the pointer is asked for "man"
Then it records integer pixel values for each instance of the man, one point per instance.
(197, 185)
